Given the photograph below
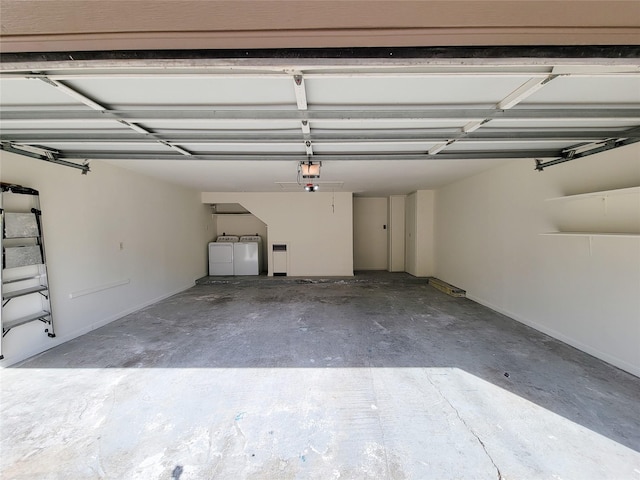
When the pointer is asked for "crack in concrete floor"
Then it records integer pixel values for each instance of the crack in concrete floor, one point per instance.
(467, 426)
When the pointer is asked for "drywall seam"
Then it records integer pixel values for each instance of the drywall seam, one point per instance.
(616, 362)
(82, 331)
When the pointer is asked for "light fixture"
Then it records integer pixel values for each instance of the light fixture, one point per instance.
(310, 169)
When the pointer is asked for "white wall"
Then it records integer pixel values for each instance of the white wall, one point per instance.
(369, 235)
(317, 227)
(419, 233)
(163, 229)
(584, 292)
(396, 230)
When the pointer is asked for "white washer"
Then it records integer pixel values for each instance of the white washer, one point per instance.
(258, 240)
(221, 255)
(245, 258)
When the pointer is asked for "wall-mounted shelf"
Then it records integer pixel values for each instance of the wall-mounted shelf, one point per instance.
(591, 234)
(607, 213)
(604, 193)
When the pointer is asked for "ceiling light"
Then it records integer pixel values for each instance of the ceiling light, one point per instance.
(310, 169)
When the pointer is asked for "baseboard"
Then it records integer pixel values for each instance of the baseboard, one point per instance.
(616, 362)
(88, 328)
(124, 313)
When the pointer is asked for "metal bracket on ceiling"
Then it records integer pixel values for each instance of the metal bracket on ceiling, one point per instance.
(518, 95)
(440, 146)
(134, 127)
(113, 114)
(581, 151)
(300, 91)
(73, 93)
(524, 91)
(301, 101)
(175, 147)
(42, 153)
(475, 125)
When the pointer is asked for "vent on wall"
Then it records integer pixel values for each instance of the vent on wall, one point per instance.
(280, 260)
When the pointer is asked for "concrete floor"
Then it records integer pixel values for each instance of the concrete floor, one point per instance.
(380, 376)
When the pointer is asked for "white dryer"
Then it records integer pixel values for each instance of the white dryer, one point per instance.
(221, 255)
(257, 239)
(245, 258)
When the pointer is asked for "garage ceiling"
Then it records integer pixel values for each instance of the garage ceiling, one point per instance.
(378, 127)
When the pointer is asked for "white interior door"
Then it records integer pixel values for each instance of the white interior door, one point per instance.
(370, 233)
